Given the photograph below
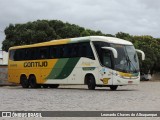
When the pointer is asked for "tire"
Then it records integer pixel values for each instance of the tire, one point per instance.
(91, 82)
(33, 83)
(24, 81)
(54, 85)
(113, 87)
(45, 86)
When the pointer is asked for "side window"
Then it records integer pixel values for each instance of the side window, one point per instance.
(86, 51)
(74, 50)
(90, 52)
(83, 50)
(26, 53)
(53, 52)
(70, 47)
(43, 52)
(107, 58)
(31, 54)
(61, 51)
(65, 51)
(21, 55)
(57, 51)
(98, 46)
(18, 55)
(11, 54)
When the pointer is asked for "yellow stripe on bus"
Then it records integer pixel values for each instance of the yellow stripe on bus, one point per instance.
(53, 42)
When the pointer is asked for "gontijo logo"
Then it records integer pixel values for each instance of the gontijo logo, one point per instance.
(36, 64)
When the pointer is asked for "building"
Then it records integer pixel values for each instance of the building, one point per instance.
(3, 58)
(3, 68)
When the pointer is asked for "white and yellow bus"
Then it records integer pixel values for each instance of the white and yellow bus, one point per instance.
(93, 60)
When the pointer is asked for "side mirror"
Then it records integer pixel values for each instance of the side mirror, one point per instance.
(114, 51)
(142, 53)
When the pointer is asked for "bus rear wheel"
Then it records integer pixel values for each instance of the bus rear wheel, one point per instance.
(54, 85)
(33, 83)
(91, 82)
(113, 87)
(24, 81)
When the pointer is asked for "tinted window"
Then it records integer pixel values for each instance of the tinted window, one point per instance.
(31, 54)
(83, 50)
(57, 51)
(19, 54)
(106, 59)
(98, 46)
(16, 55)
(75, 50)
(72, 50)
(54, 52)
(67, 49)
(11, 54)
(43, 52)
(86, 50)
(23, 54)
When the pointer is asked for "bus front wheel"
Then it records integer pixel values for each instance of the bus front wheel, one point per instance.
(91, 82)
(24, 81)
(113, 87)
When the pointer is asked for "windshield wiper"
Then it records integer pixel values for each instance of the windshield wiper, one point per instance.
(129, 62)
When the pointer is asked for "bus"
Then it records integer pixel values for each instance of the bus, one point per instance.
(96, 61)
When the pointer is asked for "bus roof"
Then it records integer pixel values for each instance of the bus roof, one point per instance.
(77, 40)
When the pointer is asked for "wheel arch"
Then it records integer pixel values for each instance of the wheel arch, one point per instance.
(32, 75)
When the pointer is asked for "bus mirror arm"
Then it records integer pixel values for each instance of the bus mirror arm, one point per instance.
(114, 51)
(140, 51)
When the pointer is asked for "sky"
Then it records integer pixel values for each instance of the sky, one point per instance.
(136, 17)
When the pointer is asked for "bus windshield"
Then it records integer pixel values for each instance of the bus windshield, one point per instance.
(127, 60)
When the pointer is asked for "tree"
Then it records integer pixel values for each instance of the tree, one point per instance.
(152, 51)
(124, 36)
(41, 31)
(44, 30)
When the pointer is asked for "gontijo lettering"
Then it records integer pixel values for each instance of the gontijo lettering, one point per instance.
(36, 64)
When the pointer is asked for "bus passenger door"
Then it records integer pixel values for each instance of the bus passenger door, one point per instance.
(106, 71)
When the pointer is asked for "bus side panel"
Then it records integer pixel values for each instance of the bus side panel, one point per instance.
(13, 76)
(72, 71)
(86, 66)
(76, 76)
(41, 70)
(15, 70)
